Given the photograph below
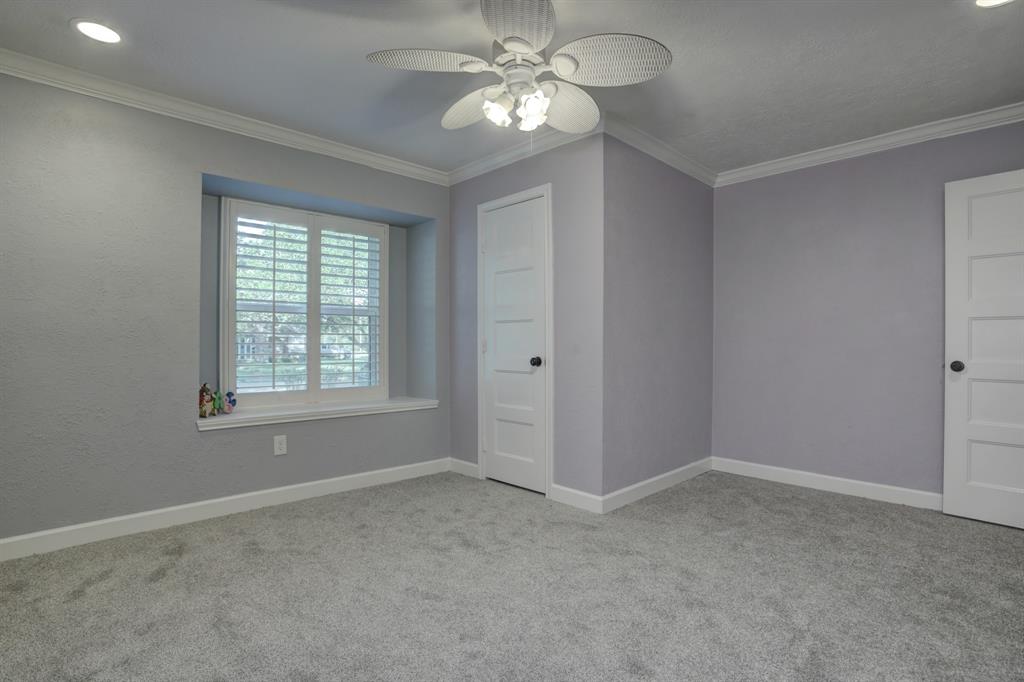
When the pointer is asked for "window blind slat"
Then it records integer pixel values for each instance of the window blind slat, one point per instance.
(272, 298)
(271, 306)
(349, 310)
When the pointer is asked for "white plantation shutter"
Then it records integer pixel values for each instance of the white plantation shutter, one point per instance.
(270, 306)
(303, 308)
(349, 310)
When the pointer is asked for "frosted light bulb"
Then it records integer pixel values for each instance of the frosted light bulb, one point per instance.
(497, 114)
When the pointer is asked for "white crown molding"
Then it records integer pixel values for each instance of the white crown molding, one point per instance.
(652, 146)
(958, 125)
(538, 144)
(66, 78)
(552, 139)
(73, 80)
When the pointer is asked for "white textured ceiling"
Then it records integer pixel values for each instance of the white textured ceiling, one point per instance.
(752, 80)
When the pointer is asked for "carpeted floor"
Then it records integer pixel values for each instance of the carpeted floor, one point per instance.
(447, 577)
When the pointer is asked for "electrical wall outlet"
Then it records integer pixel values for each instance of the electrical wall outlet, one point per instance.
(280, 445)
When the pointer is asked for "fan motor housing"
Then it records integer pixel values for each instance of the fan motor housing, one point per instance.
(520, 78)
(502, 57)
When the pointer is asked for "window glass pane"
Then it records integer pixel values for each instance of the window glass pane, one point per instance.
(349, 310)
(270, 306)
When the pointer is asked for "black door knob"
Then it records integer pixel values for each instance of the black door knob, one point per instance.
(957, 366)
(535, 361)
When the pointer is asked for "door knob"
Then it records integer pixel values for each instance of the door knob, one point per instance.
(535, 361)
(957, 366)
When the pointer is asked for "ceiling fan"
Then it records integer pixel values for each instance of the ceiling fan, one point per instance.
(523, 29)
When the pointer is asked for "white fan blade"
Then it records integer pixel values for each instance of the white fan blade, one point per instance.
(571, 110)
(611, 59)
(521, 26)
(427, 60)
(466, 111)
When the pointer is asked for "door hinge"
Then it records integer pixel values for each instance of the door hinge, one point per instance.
(483, 346)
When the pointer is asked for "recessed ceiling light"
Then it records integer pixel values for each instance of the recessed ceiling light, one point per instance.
(99, 32)
(991, 3)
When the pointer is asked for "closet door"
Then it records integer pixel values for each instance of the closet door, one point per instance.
(984, 453)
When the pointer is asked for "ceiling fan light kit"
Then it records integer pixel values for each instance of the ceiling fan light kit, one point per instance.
(497, 110)
(533, 110)
(522, 30)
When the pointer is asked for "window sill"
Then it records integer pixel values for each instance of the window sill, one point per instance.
(280, 414)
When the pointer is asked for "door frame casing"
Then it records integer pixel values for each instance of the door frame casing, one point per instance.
(539, 192)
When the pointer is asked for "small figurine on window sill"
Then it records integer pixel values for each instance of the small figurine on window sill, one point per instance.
(205, 402)
(218, 403)
(229, 402)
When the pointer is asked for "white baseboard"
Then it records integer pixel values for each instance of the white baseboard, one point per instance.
(637, 491)
(576, 498)
(103, 529)
(461, 466)
(602, 504)
(833, 484)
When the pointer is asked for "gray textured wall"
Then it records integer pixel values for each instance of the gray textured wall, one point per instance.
(425, 309)
(657, 312)
(209, 291)
(829, 311)
(575, 172)
(99, 329)
(398, 312)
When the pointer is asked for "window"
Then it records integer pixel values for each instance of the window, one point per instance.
(303, 305)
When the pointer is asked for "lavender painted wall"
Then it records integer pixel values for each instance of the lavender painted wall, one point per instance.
(828, 298)
(575, 172)
(658, 319)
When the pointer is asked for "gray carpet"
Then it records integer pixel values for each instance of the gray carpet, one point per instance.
(447, 577)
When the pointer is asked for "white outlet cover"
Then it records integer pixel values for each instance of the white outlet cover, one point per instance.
(280, 445)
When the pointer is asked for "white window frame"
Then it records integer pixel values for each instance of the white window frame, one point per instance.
(314, 223)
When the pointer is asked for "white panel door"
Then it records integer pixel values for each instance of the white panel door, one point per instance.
(513, 239)
(984, 458)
